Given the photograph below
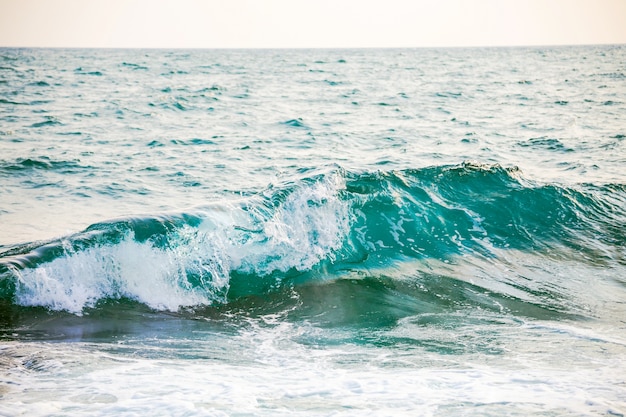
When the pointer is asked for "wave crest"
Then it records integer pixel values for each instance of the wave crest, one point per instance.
(320, 227)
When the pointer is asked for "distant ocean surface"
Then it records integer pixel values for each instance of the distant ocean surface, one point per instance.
(399, 232)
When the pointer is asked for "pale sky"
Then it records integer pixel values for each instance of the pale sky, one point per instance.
(309, 24)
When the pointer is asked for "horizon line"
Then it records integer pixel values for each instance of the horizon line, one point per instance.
(547, 45)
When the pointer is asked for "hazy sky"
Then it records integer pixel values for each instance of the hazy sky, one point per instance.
(311, 23)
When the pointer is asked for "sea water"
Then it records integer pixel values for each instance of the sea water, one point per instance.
(426, 232)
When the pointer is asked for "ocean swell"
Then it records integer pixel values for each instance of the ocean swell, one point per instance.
(441, 221)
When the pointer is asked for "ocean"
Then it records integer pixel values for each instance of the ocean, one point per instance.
(350, 232)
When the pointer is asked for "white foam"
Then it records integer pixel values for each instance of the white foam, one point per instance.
(310, 225)
(129, 268)
(194, 267)
(265, 371)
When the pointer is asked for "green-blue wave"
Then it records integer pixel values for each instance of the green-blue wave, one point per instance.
(431, 238)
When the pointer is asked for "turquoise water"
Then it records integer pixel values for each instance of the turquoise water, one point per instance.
(313, 232)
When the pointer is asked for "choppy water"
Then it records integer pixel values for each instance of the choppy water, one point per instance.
(313, 232)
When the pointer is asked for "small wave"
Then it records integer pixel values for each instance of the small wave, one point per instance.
(15, 103)
(39, 84)
(552, 144)
(177, 104)
(189, 142)
(81, 70)
(299, 123)
(50, 121)
(449, 94)
(134, 66)
(39, 163)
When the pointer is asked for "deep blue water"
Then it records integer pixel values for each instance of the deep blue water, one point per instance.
(313, 232)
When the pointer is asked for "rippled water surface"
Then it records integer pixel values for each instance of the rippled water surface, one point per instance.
(313, 232)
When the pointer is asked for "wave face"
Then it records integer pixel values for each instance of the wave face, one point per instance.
(439, 237)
